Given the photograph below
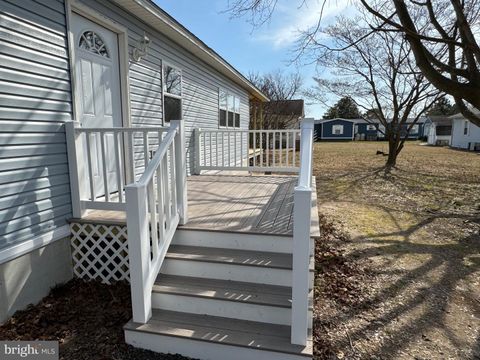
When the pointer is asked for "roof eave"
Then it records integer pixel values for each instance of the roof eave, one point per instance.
(153, 15)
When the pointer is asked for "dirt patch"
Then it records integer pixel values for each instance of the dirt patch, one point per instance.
(413, 241)
(86, 318)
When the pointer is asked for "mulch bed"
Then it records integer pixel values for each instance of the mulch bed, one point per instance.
(340, 284)
(86, 318)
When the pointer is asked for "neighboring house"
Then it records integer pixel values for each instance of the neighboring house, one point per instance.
(360, 129)
(416, 131)
(105, 108)
(438, 130)
(335, 129)
(366, 130)
(465, 135)
(284, 114)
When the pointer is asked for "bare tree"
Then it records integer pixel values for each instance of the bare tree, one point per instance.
(443, 37)
(280, 89)
(378, 72)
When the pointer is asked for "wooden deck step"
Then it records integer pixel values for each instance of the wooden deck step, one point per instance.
(230, 264)
(234, 291)
(211, 337)
(232, 299)
(231, 256)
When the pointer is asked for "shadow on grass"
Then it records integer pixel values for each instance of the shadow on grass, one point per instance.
(427, 309)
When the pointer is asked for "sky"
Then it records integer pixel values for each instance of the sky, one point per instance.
(264, 49)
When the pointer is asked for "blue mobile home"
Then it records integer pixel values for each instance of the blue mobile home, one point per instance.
(416, 132)
(336, 129)
(366, 131)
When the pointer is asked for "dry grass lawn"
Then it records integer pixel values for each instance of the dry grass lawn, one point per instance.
(415, 235)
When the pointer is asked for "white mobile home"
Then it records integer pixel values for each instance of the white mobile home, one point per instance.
(106, 109)
(438, 130)
(465, 134)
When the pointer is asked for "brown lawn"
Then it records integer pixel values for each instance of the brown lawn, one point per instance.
(398, 264)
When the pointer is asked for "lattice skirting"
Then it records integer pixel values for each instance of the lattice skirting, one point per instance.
(100, 252)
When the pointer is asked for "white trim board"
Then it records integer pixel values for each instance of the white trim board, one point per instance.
(25, 247)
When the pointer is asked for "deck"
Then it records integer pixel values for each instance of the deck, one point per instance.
(234, 202)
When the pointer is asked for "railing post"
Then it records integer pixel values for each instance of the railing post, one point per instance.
(301, 257)
(76, 167)
(196, 166)
(138, 251)
(181, 171)
(301, 237)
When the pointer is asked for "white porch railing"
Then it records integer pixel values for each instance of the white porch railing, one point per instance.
(248, 150)
(103, 160)
(156, 204)
(152, 162)
(301, 237)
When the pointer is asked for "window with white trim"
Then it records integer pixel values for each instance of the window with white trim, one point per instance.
(414, 129)
(337, 129)
(465, 127)
(172, 93)
(229, 110)
(371, 127)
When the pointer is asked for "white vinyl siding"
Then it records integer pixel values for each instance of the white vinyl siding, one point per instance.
(200, 82)
(35, 101)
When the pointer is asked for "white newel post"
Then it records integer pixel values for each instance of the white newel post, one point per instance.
(181, 170)
(138, 251)
(301, 238)
(75, 166)
(196, 133)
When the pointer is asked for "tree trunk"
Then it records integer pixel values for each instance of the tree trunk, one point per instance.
(392, 155)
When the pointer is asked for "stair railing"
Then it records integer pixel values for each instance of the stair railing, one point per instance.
(155, 204)
(302, 208)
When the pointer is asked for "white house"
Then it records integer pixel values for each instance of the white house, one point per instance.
(107, 108)
(465, 134)
(438, 130)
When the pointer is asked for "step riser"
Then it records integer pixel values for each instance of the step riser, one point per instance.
(221, 271)
(200, 349)
(222, 308)
(235, 241)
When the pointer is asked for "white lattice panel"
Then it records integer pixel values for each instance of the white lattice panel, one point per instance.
(100, 252)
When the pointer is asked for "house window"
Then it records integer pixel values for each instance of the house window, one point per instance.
(172, 93)
(414, 129)
(229, 110)
(337, 129)
(371, 127)
(92, 42)
(465, 127)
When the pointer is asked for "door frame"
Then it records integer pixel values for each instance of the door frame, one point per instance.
(73, 6)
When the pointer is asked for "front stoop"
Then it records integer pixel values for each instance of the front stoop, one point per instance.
(227, 301)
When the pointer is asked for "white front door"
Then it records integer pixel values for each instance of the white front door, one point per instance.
(98, 101)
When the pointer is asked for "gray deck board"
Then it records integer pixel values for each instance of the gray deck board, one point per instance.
(237, 257)
(243, 333)
(244, 203)
(279, 296)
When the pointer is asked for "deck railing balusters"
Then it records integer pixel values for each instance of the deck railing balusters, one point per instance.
(264, 150)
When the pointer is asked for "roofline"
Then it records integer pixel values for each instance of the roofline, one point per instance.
(167, 25)
(320, 121)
